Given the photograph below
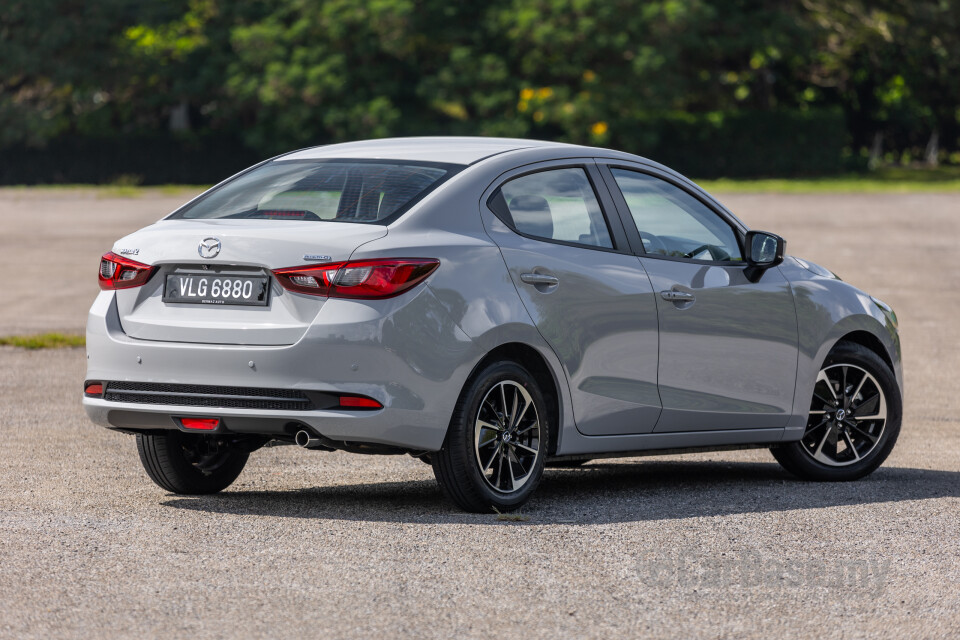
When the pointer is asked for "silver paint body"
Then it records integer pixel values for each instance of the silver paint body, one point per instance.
(633, 371)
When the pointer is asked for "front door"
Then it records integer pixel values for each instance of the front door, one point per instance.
(728, 346)
(585, 291)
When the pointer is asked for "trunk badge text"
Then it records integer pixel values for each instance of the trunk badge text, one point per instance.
(209, 248)
(129, 252)
(310, 257)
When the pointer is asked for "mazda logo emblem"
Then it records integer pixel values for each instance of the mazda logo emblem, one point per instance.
(209, 248)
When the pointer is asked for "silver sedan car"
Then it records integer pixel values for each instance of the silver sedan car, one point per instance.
(489, 306)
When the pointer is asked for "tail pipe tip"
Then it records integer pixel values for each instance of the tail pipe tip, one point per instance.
(307, 440)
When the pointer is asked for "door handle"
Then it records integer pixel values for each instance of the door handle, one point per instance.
(539, 278)
(677, 296)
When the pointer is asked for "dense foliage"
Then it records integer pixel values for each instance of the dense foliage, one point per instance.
(716, 87)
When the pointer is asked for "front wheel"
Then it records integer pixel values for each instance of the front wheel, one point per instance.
(854, 418)
(496, 445)
(189, 464)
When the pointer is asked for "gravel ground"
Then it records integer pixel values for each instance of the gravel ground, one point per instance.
(333, 544)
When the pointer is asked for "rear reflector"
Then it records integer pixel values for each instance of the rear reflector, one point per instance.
(359, 402)
(200, 424)
(93, 389)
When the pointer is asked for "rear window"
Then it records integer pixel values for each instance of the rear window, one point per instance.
(341, 191)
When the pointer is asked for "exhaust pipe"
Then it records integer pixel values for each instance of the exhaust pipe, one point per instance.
(309, 440)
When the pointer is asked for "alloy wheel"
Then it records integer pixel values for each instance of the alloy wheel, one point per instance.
(848, 414)
(507, 437)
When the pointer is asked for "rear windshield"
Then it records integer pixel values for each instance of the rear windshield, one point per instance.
(338, 190)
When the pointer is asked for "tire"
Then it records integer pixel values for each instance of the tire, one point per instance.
(489, 397)
(854, 446)
(189, 464)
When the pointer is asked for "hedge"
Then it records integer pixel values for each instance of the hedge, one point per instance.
(714, 145)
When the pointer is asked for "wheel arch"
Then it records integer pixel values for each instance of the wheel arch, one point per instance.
(534, 362)
(870, 341)
(865, 329)
(858, 349)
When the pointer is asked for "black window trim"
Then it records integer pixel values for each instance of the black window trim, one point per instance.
(618, 235)
(633, 234)
(452, 169)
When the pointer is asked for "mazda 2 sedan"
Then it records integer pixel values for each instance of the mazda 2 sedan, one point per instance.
(490, 306)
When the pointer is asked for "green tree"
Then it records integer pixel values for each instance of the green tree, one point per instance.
(892, 66)
(57, 66)
(637, 75)
(595, 69)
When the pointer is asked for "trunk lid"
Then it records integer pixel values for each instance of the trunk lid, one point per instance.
(246, 248)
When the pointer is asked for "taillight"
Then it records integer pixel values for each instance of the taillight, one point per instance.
(117, 272)
(367, 279)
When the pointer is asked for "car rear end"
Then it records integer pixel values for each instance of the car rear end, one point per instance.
(243, 313)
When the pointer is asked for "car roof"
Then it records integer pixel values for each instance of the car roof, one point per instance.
(454, 150)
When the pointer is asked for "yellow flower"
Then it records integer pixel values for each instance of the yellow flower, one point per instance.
(537, 116)
(599, 128)
(544, 93)
(589, 76)
(522, 106)
(526, 94)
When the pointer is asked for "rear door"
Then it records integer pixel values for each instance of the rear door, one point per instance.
(728, 346)
(588, 295)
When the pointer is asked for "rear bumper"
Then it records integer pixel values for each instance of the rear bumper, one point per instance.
(404, 352)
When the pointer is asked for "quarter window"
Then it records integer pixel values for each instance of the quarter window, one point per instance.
(673, 223)
(558, 204)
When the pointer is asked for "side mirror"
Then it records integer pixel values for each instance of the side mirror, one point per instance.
(764, 250)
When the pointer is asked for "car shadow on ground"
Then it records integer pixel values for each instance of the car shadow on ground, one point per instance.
(598, 493)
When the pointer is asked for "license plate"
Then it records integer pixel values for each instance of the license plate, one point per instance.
(195, 289)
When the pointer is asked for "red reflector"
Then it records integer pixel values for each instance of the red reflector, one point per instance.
(359, 402)
(200, 424)
(94, 389)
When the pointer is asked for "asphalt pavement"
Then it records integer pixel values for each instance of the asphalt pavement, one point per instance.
(338, 545)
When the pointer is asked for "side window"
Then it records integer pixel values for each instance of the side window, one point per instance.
(672, 222)
(558, 204)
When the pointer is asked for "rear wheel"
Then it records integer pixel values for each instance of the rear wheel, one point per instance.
(189, 464)
(854, 418)
(494, 452)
